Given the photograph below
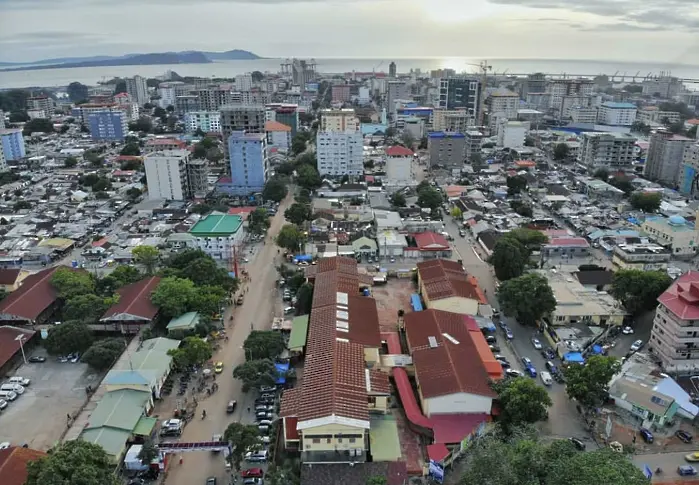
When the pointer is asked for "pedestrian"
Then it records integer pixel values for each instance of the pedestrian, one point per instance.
(248, 408)
(181, 459)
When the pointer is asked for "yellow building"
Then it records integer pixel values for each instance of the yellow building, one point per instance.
(444, 285)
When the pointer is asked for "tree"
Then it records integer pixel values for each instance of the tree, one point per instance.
(102, 354)
(68, 337)
(522, 401)
(622, 183)
(19, 117)
(599, 466)
(214, 155)
(101, 195)
(290, 238)
(390, 132)
(149, 452)
(207, 300)
(131, 149)
(256, 373)
(285, 168)
(199, 151)
(308, 177)
(588, 384)
(646, 202)
(528, 238)
(77, 91)
(298, 145)
(242, 438)
(304, 299)
(258, 221)
(70, 283)
(398, 199)
(377, 480)
(101, 185)
(561, 151)
(527, 298)
(133, 194)
(89, 180)
(121, 276)
(201, 209)
(87, 307)
(192, 351)
(21, 205)
(146, 256)
(73, 462)
(638, 290)
(172, 296)
(602, 174)
(306, 158)
(516, 184)
(639, 127)
(524, 210)
(263, 345)
(143, 124)
(429, 198)
(298, 213)
(304, 196)
(509, 259)
(274, 190)
(408, 139)
(37, 125)
(70, 162)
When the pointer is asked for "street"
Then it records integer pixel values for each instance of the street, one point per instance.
(256, 312)
(668, 462)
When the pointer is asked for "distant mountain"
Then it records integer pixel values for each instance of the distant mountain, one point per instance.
(186, 57)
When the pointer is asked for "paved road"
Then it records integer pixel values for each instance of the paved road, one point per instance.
(668, 462)
(261, 304)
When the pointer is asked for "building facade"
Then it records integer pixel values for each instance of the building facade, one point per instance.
(460, 93)
(666, 156)
(108, 125)
(206, 121)
(340, 153)
(473, 143)
(247, 118)
(611, 150)
(138, 89)
(249, 163)
(617, 114)
(13, 144)
(392, 70)
(278, 135)
(341, 93)
(511, 134)
(688, 180)
(399, 166)
(503, 102)
(166, 174)
(395, 90)
(339, 120)
(446, 149)
(285, 113)
(218, 235)
(674, 233)
(651, 114)
(41, 103)
(583, 114)
(169, 91)
(558, 88)
(640, 256)
(457, 120)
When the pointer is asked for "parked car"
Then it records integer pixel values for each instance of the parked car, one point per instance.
(686, 470)
(494, 348)
(490, 339)
(264, 389)
(636, 345)
(211, 481)
(537, 345)
(3, 404)
(627, 331)
(256, 456)
(38, 359)
(578, 443)
(22, 381)
(504, 364)
(231, 406)
(646, 435)
(551, 366)
(218, 367)
(683, 436)
(252, 481)
(252, 473)
(513, 373)
(692, 457)
(509, 334)
(548, 354)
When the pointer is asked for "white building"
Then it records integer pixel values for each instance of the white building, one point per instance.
(610, 150)
(503, 103)
(582, 114)
(3, 162)
(364, 95)
(166, 174)
(665, 156)
(511, 134)
(453, 120)
(206, 121)
(399, 166)
(558, 88)
(617, 114)
(278, 135)
(652, 114)
(340, 120)
(169, 91)
(137, 88)
(218, 235)
(340, 153)
(243, 82)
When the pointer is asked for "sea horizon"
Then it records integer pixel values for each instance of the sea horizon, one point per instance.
(227, 69)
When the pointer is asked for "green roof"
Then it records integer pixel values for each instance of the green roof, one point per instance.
(112, 440)
(150, 358)
(145, 426)
(120, 409)
(216, 225)
(186, 321)
(299, 332)
(383, 435)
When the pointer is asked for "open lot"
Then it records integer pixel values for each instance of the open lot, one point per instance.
(391, 297)
(38, 417)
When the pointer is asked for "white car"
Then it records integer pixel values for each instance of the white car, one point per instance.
(627, 331)
(3, 404)
(537, 345)
(636, 345)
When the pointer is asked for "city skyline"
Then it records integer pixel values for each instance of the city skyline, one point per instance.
(647, 30)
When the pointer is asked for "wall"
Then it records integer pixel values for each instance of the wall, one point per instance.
(454, 304)
(333, 443)
(457, 403)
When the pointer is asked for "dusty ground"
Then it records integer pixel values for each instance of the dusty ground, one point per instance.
(390, 298)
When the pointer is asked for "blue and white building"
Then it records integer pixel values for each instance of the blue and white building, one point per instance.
(13, 144)
(249, 163)
(206, 121)
(617, 114)
(108, 125)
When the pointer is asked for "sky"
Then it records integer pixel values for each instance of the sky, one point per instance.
(630, 30)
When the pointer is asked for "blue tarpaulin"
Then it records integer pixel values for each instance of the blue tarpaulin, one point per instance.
(575, 357)
(597, 349)
(282, 369)
(415, 302)
(303, 257)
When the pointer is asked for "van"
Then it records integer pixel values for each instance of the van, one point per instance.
(12, 387)
(8, 395)
(260, 455)
(22, 381)
(546, 378)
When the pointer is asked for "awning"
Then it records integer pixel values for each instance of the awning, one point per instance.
(299, 333)
(437, 452)
(145, 426)
(407, 397)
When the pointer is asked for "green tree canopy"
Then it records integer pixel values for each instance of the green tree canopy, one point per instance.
(242, 438)
(522, 401)
(308, 177)
(207, 300)
(70, 162)
(131, 149)
(639, 290)
(274, 190)
(263, 345)
(146, 256)
(298, 213)
(528, 238)
(201, 269)
(121, 276)
(101, 185)
(516, 184)
(290, 237)
(258, 221)
(509, 259)
(256, 373)
(133, 194)
(68, 337)
(285, 168)
(527, 298)
(71, 463)
(398, 199)
(192, 351)
(143, 124)
(173, 296)
(87, 307)
(306, 158)
(304, 299)
(429, 198)
(602, 174)
(561, 151)
(298, 144)
(70, 283)
(102, 354)
(646, 202)
(588, 384)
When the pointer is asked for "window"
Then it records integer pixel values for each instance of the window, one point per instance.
(352, 440)
(316, 441)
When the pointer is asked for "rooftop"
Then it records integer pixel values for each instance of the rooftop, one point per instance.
(682, 298)
(610, 104)
(442, 134)
(9, 345)
(430, 241)
(31, 299)
(13, 464)
(399, 151)
(568, 242)
(276, 126)
(575, 300)
(134, 301)
(444, 279)
(216, 225)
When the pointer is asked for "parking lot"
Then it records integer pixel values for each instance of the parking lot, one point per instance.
(56, 390)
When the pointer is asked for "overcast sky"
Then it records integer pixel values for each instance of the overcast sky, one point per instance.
(633, 30)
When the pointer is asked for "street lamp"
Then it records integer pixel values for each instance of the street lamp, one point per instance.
(20, 338)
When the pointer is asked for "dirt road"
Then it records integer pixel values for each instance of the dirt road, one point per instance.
(260, 306)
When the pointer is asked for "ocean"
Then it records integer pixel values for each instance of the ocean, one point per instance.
(228, 69)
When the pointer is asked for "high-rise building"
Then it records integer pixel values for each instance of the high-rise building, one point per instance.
(666, 87)
(534, 84)
(247, 118)
(168, 91)
(186, 103)
(138, 89)
(13, 144)
(446, 149)
(511, 134)
(665, 156)
(607, 150)
(206, 121)
(3, 161)
(689, 173)
(278, 135)
(2, 120)
(284, 113)
(502, 103)
(341, 93)
(249, 163)
(243, 82)
(211, 98)
(473, 144)
(41, 103)
(339, 143)
(395, 90)
(460, 93)
(109, 125)
(168, 175)
(343, 120)
(617, 114)
(392, 70)
(303, 72)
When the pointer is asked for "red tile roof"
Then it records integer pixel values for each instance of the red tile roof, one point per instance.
(290, 424)
(378, 382)
(166, 141)
(9, 346)
(399, 151)
(682, 298)
(453, 365)
(452, 428)
(276, 126)
(360, 317)
(444, 279)
(8, 276)
(568, 242)
(13, 464)
(135, 300)
(34, 296)
(430, 241)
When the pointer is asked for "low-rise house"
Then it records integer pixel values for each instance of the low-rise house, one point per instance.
(642, 256)
(427, 244)
(134, 308)
(674, 233)
(14, 461)
(444, 285)
(565, 248)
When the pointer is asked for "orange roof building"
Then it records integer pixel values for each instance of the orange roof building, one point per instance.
(13, 464)
(444, 285)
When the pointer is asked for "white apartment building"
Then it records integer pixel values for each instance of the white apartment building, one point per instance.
(558, 88)
(689, 170)
(340, 120)
(610, 150)
(169, 91)
(651, 114)
(503, 103)
(474, 142)
(340, 153)
(243, 82)
(206, 121)
(582, 114)
(138, 89)
(278, 135)
(511, 134)
(399, 166)
(166, 174)
(2, 120)
(617, 114)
